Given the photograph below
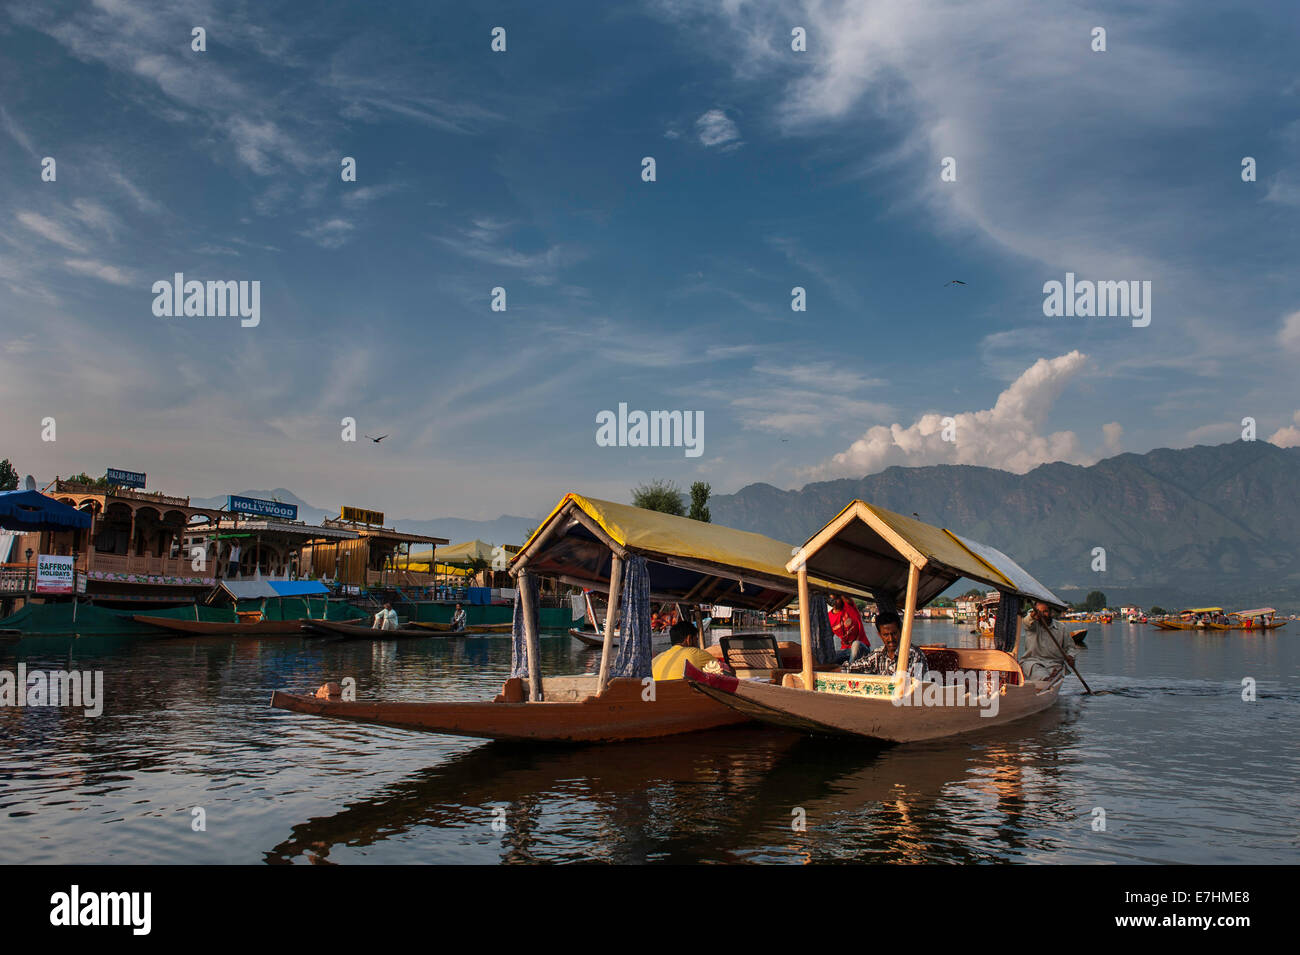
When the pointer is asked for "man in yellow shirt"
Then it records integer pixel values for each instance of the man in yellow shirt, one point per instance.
(671, 664)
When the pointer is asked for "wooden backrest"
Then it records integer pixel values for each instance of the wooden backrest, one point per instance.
(751, 652)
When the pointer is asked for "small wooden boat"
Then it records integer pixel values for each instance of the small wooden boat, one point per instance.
(582, 541)
(472, 628)
(850, 704)
(591, 638)
(572, 712)
(963, 690)
(189, 628)
(1078, 635)
(1256, 621)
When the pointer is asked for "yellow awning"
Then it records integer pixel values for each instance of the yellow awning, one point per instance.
(1205, 610)
(870, 547)
(694, 561)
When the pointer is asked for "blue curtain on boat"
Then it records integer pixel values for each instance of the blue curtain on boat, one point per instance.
(823, 638)
(518, 638)
(634, 654)
(1004, 628)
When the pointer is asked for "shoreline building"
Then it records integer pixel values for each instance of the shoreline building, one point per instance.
(373, 556)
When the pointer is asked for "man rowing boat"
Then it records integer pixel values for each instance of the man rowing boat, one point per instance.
(1043, 647)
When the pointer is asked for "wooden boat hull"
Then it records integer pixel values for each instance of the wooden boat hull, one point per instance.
(188, 628)
(356, 629)
(1078, 635)
(592, 639)
(620, 713)
(472, 628)
(872, 717)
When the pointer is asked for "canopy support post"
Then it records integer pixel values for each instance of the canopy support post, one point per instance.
(611, 614)
(530, 639)
(905, 641)
(805, 630)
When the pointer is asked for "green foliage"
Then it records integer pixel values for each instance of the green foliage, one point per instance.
(700, 502)
(1157, 611)
(8, 476)
(84, 478)
(662, 496)
(1096, 600)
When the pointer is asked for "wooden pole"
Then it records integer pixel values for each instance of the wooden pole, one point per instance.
(805, 630)
(611, 615)
(905, 641)
(530, 639)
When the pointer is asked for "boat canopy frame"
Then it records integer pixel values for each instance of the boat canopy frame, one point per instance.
(584, 542)
(909, 561)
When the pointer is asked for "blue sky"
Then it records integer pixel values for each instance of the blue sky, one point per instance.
(522, 170)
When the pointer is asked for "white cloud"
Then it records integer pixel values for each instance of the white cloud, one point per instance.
(1007, 436)
(50, 230)
(98, 270)
(1289, 335)
(715, 128)
(1288, 437)
(331, 234)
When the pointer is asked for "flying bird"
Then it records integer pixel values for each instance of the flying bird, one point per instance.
(378, 439)
(953, 282)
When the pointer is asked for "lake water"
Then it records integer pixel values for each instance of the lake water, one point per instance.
(1183, 769)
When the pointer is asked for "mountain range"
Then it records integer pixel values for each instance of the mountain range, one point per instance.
(1216, 525)
(1203, 525)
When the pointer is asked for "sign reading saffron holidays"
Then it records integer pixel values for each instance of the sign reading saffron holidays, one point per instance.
(125, 478)
(359, 515)
(53, 574)
(254, 505)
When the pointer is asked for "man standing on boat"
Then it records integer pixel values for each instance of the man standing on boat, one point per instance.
(846, 623)
(458, 619)
(386, 619)
(1042, 650)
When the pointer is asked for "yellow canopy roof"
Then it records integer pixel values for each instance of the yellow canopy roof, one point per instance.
(446, 570)
(693, 561)
(868, 546)
(1205, 610)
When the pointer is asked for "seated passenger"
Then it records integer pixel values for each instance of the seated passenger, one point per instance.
(671, 664)
(883, 660)
(846, 624)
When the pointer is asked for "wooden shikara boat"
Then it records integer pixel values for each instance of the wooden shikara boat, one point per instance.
(964, 690)
(853, 705)
(584, 542)
(591, 638)
(573, 712)
(189, 628)
(471, 628)
(1246, 620)
(1078, 635)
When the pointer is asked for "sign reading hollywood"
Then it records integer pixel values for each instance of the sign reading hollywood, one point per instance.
(125, 478)
(53, 574)
(259, 508)
(359, 515)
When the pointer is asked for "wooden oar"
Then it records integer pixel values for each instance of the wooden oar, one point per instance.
(1070, 663)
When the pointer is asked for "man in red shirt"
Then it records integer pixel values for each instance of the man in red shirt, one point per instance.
(846, 623)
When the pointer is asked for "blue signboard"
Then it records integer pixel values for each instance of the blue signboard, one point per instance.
(253, 505)
(125, 478)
